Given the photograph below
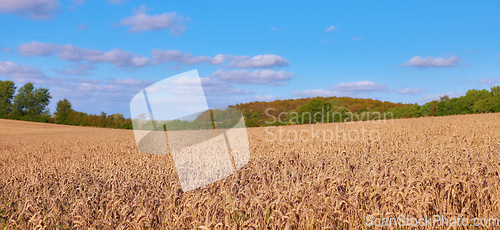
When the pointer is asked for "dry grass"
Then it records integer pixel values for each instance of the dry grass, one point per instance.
(71, 177)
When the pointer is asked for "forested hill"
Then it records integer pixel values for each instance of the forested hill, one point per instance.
(341, 109)
(255, 112)
(30, 103)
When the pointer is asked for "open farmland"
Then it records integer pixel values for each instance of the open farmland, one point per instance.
(76, 177)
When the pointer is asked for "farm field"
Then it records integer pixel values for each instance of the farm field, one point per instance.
(304, 176)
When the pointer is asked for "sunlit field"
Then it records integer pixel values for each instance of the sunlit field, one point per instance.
(60, 176)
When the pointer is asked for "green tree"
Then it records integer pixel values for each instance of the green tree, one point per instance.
(495, 91)
(415, 111)
(7, 90)
(488, 103)
(466, 103)
(338, 113)
(30, 102)
(63, 111)
(448, 107)
(399, 112)
(429, 108)
(315, 111)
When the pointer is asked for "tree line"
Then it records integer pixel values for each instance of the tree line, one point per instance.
(342, 109)
(29, 103)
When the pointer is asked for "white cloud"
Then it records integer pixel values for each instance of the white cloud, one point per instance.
(75, 70)
(121, 58)
(68, 52)
(34, 9)
(259, 61)
(214, 87)
(421, 62)
(129, 82)
(489, 81)
(217, 93)
(21, 73)
(37, 49)
(410, 91)
(160, 56)
(140, 21)
(315, 93)
(89, 87)
(331, 29)
(358, 88)
(111, 96)
(259, 77)
(274, 28)
(356, 39)
(265, 98)
(6, 50)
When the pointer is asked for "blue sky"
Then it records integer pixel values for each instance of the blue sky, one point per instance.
(98, 54)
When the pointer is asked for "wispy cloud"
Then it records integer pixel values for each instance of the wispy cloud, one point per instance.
(21, 73)
(331, 29)
(109, 95)
(34, 9)
(75, 70)
(488, 81)
(427, 62)
(356, 39)
(160, 56)
(411, 91)
(129, 82)
(315, 93)
(265, 97)
(259, 77)
(140, 21)
(124, 59)
(259, 61)
(69, 52)
(115, 93)
(358, 88)
(216, 88)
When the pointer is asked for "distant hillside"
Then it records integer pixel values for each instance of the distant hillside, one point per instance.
(342, 109)
(255, 112)
(30, 103)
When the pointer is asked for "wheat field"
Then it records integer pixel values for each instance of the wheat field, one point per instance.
(55, 176)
